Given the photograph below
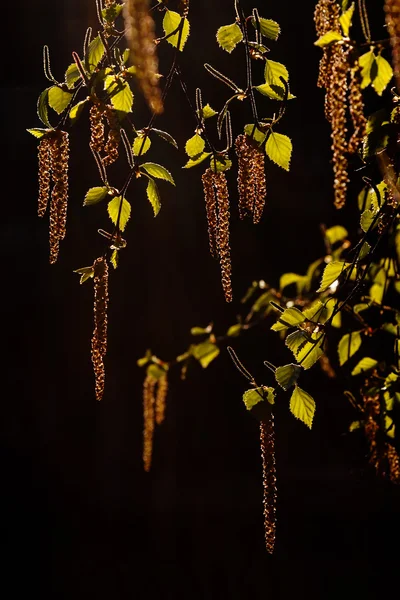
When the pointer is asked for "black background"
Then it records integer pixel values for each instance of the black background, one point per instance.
(80, 519)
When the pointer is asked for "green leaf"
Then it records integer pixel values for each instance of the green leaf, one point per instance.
(94, 54)
(201, 330)
(365, 364)
(368, 68)
(275, 92)
(110, 13)
(256, 134)
(158, 171)
(205, 353)
(37, 132)
(328, 38)
(156, 372)
(273, 71)
(95, 195)
(287, 375)
(234, 330)
(348, 345)
(331, 273)
(113, 209)
(383, 76)
(291, 317)
(166, 136)
(120, 93)
(256, 395)
(355, 425)
(268, 28)
(58, 99)
(389, 426)
(154, 196)
(140, 145)
(220, 164)
(196, 161)
(296, 341)
(195, 146)
(208, 112)
(346, 20)
(42, 107)
(72, 75)
(171, 22)
(336, 234)
(76, 111)
(289, 278)
(229, 36)
(366, 219)
(302, 406)
(114, 258)
(279, 149)
(85, 273)
(310, 352)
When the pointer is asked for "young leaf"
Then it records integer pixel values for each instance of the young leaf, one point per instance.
(166, 136)
(76, 110)
(95, 195)
(58, 99)
(85, 273)
(346, 20)
(336, 234)
(256, 395)
(114, 210)
(291, 317)
(171, 22)
(365, 364)
(205, 353)
(275, 92)
(234, 330)
(328, 38)
(140, 145)
(208, 112)
(42, 107)
(252, 131)
(287, 375)
(158, 171)
(273, 71)
(310, 352)
(368, 68)
(348, 345)
(302, 405)
(196, 161)
(289, 278)
(195, 146)
(121, 96)
(383, 76)
(95, 53)
(268, 28)
(72, 75)
(229, 36)
(296, 341)
(355, 425)
(331, 273)
(154, 196)
(218, 164)
(37, 132)
(279, 149)
(114, 258)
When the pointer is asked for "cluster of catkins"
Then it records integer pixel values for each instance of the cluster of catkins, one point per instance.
(155, 391)
(251, 178)
(99, 338)
(382, 455)
(53, 154)
(140, 33)
(392, 12)
(217, 206)
(99, 112)
(267, 440)
(341, 81)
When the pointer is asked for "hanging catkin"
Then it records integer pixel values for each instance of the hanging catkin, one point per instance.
(149, 386)
(211, 210)
(326, 18)
(161, 399)
(99, 338)
(139, 31)
(96, 115)
(59, 154)
(251, 178)
(392, 11)
(113, 138)
(267, 441)
(44, 158)
(356, 105)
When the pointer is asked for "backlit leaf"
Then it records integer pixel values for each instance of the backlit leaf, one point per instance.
(114, 209)
(368, 68)
(72, 75)
(42, 107)
(208, 112)
(328, 38)
(302, 406)
(346, 19)
(256, 395)
(59, 99)
(76, 110)
(365, 364)
(141, 145)
(195, 146)
(291, 317)
(268, 28)
(331, 273)
(273, 71)
(158, 171)
(196, 161)
(166, 136)
(171, 22)
(121, 96)
(383, 76)
(229, 36)
(37, 132)
(279, 149)
(287, 375)
(95, 195)
(336, 234)
(154, 196)
(310, 352)
(348, 345)
(205, 353)
(94, 54)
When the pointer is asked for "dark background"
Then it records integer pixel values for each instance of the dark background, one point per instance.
(80, 518)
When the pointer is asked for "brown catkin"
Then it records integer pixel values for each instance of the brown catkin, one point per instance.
(267, 441)
(326, 17)
(392, 13)
(337, 92)
(96, 115)
(44, 159)
(356, 104)
(59, 152)
(140, 33)
(224, 250)
(211, 210)
(148, 420)
(161, 399)
(114, 137)
(99, 338)
(251, 178)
